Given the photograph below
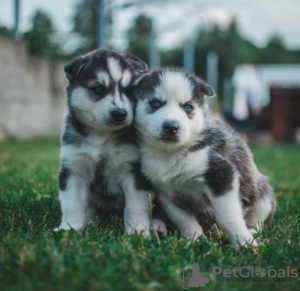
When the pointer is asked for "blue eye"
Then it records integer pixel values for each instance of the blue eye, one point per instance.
(99, 89)
(155, 104)
(188, 108)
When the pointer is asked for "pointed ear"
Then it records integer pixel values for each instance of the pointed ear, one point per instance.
(136, 63)
(73, 69)
(139, 85)
(204, 89)
(139, 77)
(208, 90)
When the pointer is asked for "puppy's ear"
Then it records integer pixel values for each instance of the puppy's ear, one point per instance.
(140, 85)
(204, 89)
(136, 63)
(73, 69)
(208, 90)
(138, 78)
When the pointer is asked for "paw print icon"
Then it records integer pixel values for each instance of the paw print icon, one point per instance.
(261, 272)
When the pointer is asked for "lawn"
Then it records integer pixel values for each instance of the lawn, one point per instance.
(33, 257)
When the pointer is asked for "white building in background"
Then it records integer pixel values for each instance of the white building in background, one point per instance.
(252, 84)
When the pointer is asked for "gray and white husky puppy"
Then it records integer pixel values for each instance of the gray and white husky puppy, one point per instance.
(204, 170)
(99, 154)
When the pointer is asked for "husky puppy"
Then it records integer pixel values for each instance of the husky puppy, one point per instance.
(204, 170)
(99, 155)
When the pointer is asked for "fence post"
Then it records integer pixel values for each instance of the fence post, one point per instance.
(101, 24)
(189, 55)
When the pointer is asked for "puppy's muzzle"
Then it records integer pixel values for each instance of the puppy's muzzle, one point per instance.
(171, 127)
(118, 115)
(170, 130)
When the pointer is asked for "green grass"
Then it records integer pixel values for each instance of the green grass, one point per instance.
(100, 257)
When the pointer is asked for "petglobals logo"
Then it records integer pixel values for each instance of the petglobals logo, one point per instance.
(252, 272)
(192, 277)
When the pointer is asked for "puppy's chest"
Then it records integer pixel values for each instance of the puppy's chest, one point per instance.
(113, 164)
(105, 148)
(118, 160)
(175, 181)
(163, 170)
(182, 175)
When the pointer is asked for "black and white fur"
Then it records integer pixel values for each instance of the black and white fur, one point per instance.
(204, 170)
(99, 155)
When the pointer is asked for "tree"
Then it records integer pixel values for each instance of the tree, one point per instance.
(139, 37)
(85, 23)
(39, 38)
(276, 52)
(5, 31)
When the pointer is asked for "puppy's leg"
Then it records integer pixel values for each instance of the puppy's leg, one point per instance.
(137, 208)
(223, 191)
(74, 203)
(186, 223)
(263, 208)
(74, 192)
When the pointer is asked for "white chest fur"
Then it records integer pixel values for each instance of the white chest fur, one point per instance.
(175, 170)
(93, 149)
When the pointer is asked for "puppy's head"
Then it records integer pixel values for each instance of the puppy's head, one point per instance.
(100, 88)
(170, 107)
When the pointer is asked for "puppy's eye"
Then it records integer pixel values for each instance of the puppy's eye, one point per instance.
(155, 104)
(188, 108)
(99, 89)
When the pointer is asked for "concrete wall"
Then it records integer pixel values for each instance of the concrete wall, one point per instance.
(32, 98)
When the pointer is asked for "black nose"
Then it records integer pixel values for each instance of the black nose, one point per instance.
(119, 114)
(170, 127)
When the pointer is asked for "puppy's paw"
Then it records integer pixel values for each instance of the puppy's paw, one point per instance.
(245, 241)
(193, 233)
(159, 226)
(138, 229)
(66, 226)
(253, 231)
(134, 231)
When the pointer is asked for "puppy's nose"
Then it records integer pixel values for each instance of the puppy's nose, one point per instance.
(118, 114)
(171, 127)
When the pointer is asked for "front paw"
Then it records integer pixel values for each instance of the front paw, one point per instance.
(159, 226)
(253, 231)
(138, 228)
(136, 222)
(66, 226)
(246, 240)
(192, 233)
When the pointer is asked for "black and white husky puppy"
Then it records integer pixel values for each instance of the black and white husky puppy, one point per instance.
(204, 168)
(99, 155)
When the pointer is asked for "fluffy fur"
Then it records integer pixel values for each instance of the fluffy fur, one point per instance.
(99, 155)
(203, 169)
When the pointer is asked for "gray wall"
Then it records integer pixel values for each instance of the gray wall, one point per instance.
(32, 98)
